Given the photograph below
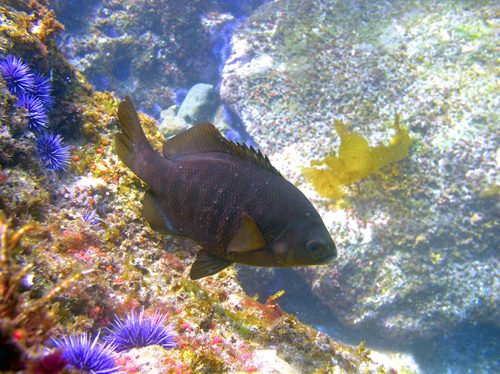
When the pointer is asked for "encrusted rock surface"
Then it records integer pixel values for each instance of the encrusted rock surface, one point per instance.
(418, 240)
(76, 254)
(145, 49)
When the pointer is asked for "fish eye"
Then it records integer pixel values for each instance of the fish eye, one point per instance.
(313, 246)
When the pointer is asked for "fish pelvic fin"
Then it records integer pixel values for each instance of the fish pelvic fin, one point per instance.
(131, 144)
(157, 219)
(248, 238)
(207, 264)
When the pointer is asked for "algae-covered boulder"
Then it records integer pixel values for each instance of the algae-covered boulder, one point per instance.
(199, 105)
(418, 239)
(145, 49)
(173, 125)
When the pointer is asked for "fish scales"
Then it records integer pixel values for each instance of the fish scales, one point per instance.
(210, 214)
(224, 196)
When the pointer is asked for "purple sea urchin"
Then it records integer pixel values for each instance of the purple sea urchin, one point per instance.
(140, 331)
(85, 354)
(42, 89)
(53, 154)
(17, 75)
(23, 83)
(36, 114)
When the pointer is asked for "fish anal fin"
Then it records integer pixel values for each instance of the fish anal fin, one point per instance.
(153, 213)
(248, 238)
(207, 264)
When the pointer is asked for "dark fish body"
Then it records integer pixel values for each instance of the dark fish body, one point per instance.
(226, 197)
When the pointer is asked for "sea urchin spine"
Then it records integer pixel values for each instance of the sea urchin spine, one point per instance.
(17, 75)
(53, 154)
(42, 88)
(85, 354)
(36, 114)
(140, 331)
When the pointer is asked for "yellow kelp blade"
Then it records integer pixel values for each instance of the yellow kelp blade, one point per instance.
(325, 182)
(355, 156)
(400, 143)
(355, 160)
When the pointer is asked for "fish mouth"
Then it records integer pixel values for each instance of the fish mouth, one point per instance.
(326, 259)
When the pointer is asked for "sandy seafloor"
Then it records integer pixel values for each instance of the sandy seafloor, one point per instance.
(418, 273)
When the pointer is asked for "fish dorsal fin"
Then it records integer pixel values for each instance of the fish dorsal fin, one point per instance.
(248, 238)
(205, 138)
(153, 213)
(207, 264)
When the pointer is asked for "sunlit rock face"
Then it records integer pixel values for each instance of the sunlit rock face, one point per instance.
(417, 239)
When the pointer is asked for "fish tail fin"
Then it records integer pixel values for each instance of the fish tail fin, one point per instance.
(131, 145)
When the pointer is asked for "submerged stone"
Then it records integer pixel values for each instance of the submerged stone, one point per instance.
(199, 105)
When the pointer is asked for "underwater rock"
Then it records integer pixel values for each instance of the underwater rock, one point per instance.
(416, 238)
(171, 111)
(173, 125)
(75, 253)
(268, 361)
(150, 359)
(140, 49)
(199, 104)
(221, 121)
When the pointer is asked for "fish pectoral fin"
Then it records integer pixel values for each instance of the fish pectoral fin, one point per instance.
(207, 264)
(248, 238)
(152, 212)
